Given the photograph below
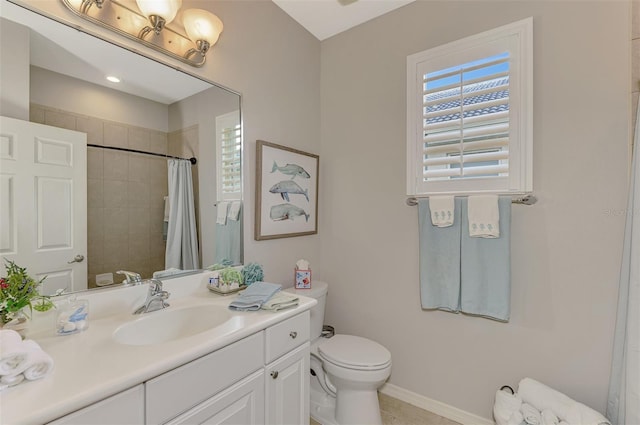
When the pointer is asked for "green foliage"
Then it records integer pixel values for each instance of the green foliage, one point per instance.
(19, 290)
(230, 275)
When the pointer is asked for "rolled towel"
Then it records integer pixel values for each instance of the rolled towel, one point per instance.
(567, 409)
(549, 418)
(13, 357)
(441, 208)
(506, 408)
(484, 216)
(530, 414)
(39, 364)
(280, 301)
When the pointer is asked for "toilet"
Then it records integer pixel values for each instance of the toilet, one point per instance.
(346, 370)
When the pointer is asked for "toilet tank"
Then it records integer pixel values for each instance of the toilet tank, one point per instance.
(318, 291)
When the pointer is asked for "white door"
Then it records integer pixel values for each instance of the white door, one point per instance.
(43, 202)
(287, 388)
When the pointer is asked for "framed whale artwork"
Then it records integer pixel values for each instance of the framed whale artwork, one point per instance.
(286, 192)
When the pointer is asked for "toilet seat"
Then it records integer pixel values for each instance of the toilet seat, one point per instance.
(354, 352)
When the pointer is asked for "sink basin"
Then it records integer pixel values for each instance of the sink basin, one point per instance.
(171, 324)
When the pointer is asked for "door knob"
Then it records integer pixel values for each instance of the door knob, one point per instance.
(77, 259)
(274, 374)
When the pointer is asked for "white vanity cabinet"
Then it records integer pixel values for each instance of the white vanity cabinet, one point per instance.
(126, 407)
(260, 379)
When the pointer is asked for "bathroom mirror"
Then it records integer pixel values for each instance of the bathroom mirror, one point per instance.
(155, 109)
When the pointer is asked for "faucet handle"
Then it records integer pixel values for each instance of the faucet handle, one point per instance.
(155, 286)
(130, 277)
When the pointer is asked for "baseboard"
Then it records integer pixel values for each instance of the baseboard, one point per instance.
(437, 407)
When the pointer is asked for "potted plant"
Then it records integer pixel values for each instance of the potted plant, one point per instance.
(18, 290)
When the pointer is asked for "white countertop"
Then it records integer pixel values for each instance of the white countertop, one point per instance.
(91, 365)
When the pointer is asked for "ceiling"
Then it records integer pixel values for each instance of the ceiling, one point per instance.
(326, 18)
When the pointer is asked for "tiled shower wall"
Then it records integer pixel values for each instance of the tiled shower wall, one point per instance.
(125, 199)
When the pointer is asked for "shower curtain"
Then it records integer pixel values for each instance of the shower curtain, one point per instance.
(182, 239)
(623, 405)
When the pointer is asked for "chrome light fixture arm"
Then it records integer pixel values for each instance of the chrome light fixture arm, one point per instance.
(116, 17)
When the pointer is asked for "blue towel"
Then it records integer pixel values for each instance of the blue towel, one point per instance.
(439, 260)
(254, 296)
(485, 281)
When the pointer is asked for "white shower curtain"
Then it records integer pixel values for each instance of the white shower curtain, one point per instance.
(623, 405)
(182, 240)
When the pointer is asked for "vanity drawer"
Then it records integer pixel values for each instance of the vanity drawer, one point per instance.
(286, 336)
(176, 391)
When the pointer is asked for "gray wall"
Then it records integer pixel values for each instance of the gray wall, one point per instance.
(565, 249)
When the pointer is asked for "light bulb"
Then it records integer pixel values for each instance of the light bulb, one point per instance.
(202, 25)
(166, 9)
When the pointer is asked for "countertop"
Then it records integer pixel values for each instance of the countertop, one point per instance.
(91, 365)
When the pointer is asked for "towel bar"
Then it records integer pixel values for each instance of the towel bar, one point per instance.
(524, 200)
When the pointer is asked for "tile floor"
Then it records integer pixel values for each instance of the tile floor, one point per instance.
(396, 412)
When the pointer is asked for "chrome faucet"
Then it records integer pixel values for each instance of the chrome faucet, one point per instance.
(156, 298)
(130, 278)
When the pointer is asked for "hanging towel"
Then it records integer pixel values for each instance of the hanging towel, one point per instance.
(484, 216)
(165, 221)
(223, 207)
(254, 296)
(442, 210)
(485, 282)
(234, 211)
(439, 260)
(281, 301)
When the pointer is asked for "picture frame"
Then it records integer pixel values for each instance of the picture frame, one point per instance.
(286, 192)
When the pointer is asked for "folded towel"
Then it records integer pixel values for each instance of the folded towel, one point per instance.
(484, 218)
(442, 208)
(565, 408)
(280, 301)
(234, 211)
(530, 414)
(39, 364)
(223, 207)
(506, 408)
(549, 418)
(254, 296)
(13, 356)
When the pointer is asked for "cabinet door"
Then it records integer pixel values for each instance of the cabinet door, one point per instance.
(240, 404)
(126, 407)
(287, 388)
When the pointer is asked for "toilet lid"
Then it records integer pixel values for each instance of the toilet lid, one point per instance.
(354, 352)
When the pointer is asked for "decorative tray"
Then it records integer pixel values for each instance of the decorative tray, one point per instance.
(219, 291)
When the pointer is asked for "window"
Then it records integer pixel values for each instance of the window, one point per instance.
(228, 149)
(469, 114)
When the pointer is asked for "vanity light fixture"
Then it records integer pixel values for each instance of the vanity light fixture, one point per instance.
(149, 25)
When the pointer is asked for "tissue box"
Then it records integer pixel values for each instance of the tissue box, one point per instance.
(303, 279)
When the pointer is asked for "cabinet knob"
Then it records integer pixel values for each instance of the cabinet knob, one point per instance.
(293, 334)
(274, 374)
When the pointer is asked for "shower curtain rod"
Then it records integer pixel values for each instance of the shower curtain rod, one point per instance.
(524, 200)
(193, 160)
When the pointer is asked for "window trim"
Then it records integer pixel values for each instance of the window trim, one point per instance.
(519, 35)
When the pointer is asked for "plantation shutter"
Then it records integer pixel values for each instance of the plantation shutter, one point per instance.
(229, 153)
(469, 115)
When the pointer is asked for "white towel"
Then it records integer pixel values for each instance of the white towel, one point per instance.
(531, 415)
(484, 216)
(506, 408)
(549, 418)
(280, 301)
(39, 364)
(13, 357)
(441, 208)
(234, 211)
(166, 208)
(223, 207)
(565, 408)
